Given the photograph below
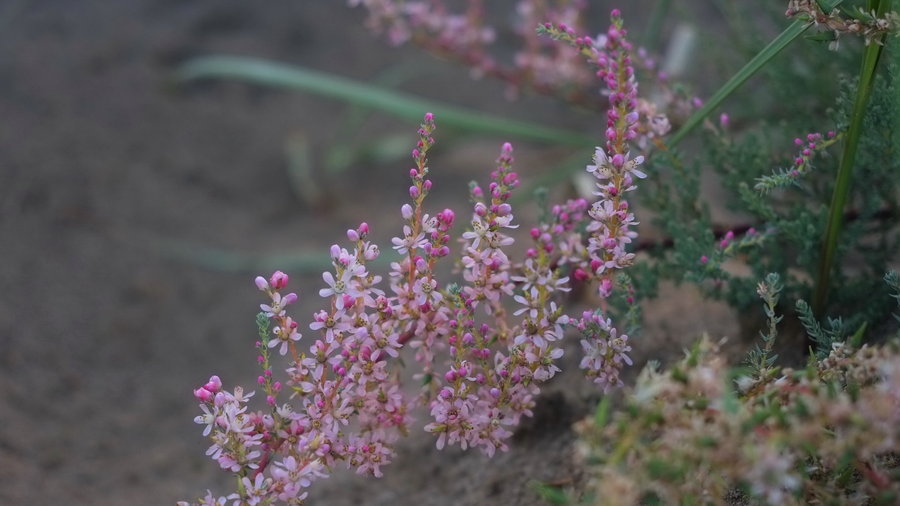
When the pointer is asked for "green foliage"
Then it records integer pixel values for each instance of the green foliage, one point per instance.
(807, 89)
(823, 434)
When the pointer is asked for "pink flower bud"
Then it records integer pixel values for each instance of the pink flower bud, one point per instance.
(579, 274)
(429, 117)
(353, 235)
(704, 259)
(413, 192)
(289, 299)
(214, 384)
(406, 211)
(335, 251)
(261, 283)
(278, 280)
(606, 288)
(203, 395)
(448, 216)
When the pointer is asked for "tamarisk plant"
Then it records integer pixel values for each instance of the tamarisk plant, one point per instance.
(343, 401)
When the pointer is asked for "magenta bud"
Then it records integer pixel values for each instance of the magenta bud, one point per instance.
(413, 172)
(704, 259)
(427, 184)
(579, 274)
(449, 216)
(495, 392)
(214, 384)
(203, 395)
(278, 280)
(413, 192)
(429, 117)
(353, 235)
(450, 376)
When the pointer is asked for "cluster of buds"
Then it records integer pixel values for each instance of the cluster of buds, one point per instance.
(481, 361)
(869, 25)
(810, 145)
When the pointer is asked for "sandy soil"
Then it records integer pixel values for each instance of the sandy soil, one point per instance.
(105, 162)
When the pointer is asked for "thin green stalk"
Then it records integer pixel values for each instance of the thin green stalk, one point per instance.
(845, 169)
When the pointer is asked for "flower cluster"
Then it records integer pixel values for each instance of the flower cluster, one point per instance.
(810, 145)
(858, 22)
(483, 345)
(465, 35)
(827, 433)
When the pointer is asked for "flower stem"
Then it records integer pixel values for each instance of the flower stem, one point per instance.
(845, 169)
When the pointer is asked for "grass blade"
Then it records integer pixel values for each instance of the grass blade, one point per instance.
(757, 62)
(409, 107)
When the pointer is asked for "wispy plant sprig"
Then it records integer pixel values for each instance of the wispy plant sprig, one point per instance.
(811, 145)
(762, 359)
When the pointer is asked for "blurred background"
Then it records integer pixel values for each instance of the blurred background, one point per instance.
(135, 211)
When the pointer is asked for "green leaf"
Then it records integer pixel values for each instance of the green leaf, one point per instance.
(406, 106)
(601, 416)
(550, 493)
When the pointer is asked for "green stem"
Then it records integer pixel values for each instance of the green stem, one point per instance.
(845, 169)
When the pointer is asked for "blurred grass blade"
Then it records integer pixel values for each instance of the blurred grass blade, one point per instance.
(232, 261)
(845, 170)
(409, 107)
(757, 62)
